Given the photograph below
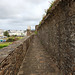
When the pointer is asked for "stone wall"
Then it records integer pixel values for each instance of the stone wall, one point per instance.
(12, 56)
(57, 34)
(30, 32)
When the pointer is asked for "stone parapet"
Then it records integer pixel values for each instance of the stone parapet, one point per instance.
(12, 56)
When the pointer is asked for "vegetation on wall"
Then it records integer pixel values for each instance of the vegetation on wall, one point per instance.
(52, 5)
(35, 32)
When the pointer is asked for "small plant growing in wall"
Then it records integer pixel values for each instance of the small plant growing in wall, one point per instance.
(53, 3)
(40, 22)
(44, 16)
(35, 32)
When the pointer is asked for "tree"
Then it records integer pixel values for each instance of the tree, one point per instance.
(6, 34)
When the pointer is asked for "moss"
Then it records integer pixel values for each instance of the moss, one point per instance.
(35, 32)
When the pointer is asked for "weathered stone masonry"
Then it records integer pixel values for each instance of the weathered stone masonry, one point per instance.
(11, 57)
(57, 34)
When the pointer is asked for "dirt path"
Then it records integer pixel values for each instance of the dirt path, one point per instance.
(37, 61)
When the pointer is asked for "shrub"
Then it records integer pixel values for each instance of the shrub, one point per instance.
(16, 39)
(14, 35)
(10, 40)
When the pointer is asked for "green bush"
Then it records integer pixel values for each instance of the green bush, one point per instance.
(14, 35)
(10, 40)
(6, 33)
(16, 39)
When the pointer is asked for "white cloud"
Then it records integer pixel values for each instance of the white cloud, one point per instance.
(21, 13)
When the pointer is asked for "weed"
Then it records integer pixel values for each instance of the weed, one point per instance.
(35, 32)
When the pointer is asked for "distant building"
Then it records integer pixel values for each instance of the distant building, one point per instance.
(29, 28)
(1, 32)
(13, 32)
(29, 31)
(16, 32)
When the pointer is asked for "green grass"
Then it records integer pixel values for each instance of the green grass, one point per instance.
(2, 45)
(5, 44)
(20, 38)
(16, 37)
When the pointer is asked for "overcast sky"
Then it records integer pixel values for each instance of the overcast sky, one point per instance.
(19, 14)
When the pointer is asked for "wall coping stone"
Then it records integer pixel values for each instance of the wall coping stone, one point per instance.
(4, 52)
